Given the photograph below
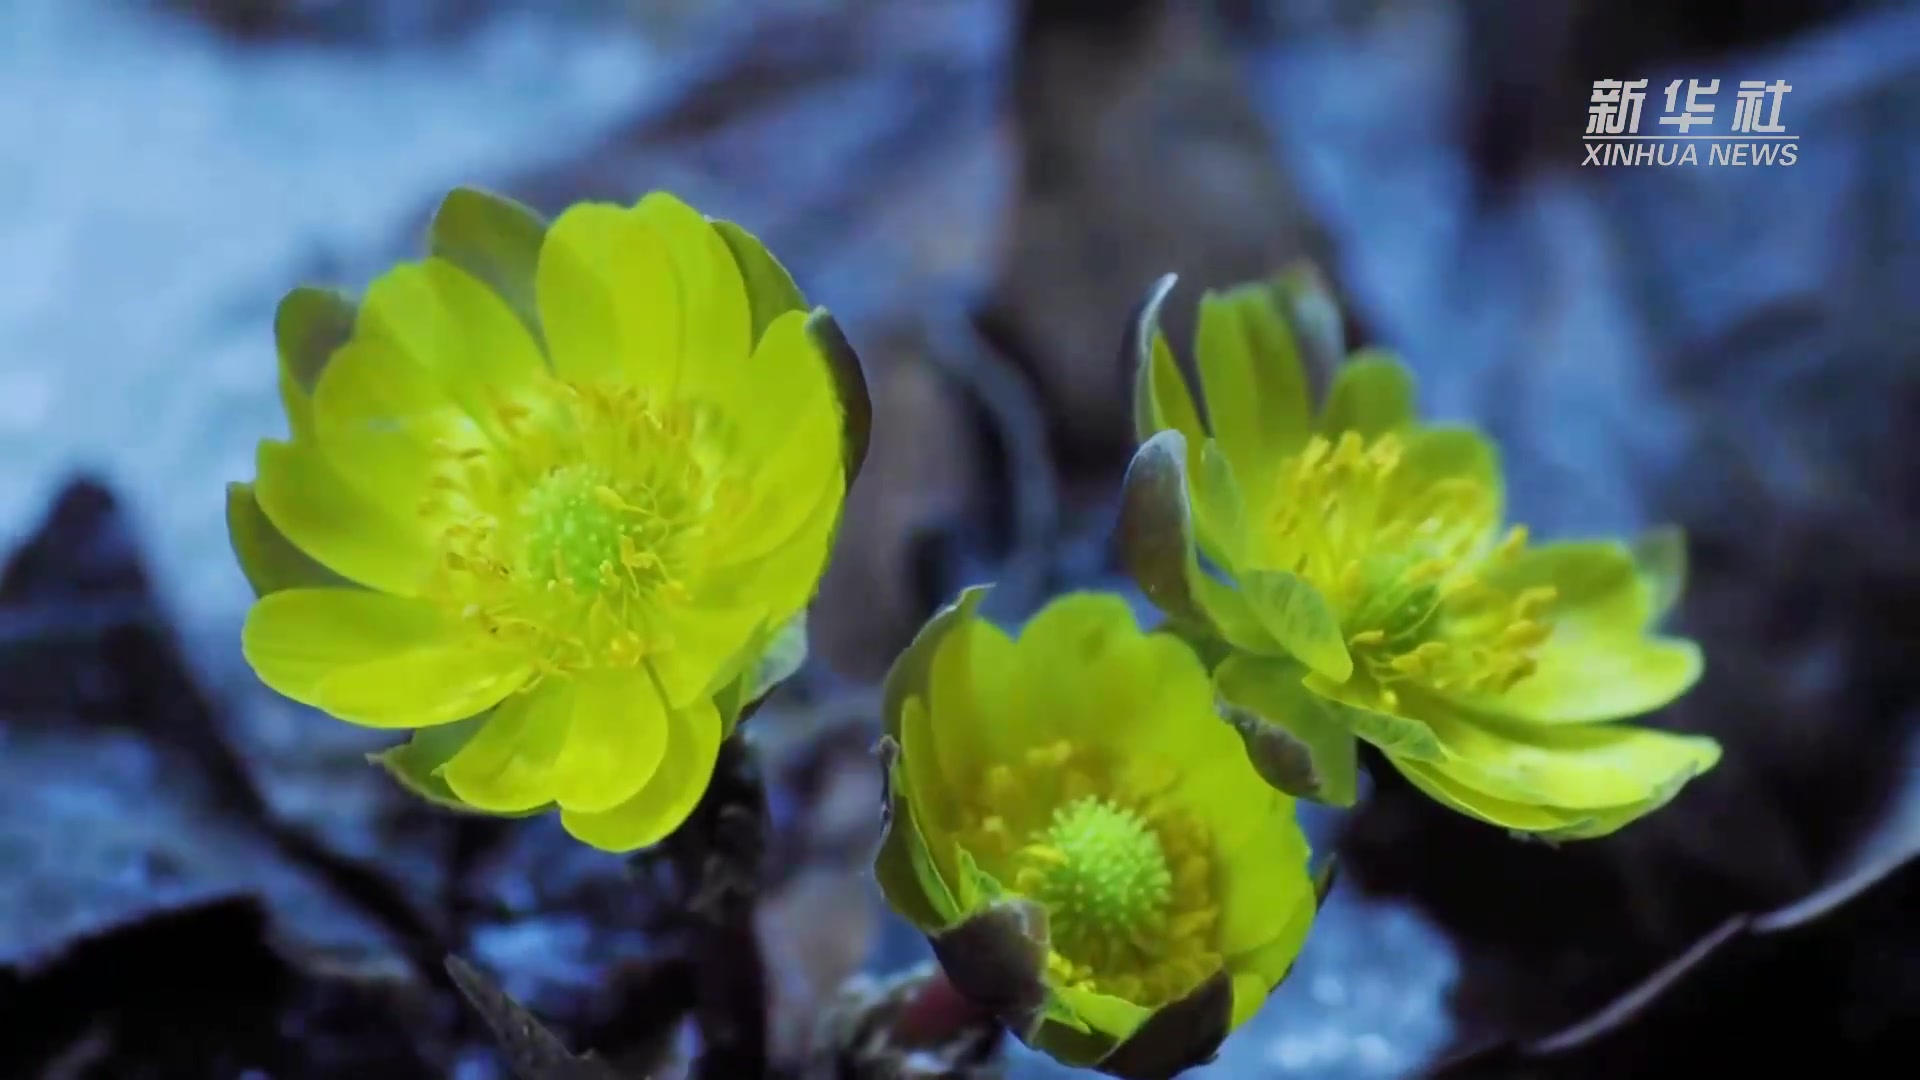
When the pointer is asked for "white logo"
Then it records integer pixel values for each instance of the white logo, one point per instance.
(1753, 134)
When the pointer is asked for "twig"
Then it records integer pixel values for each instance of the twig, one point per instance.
(716, 860)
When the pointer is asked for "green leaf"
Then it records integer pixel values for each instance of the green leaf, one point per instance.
(911, 669)
(1396, 736)
(1300, 619)
(266, 556)
(1292, 738)
(850, 382)
(1372, 394)
(771, 292)
(495, 239)
(416, 764)
(1661, 554)
(1158, 547)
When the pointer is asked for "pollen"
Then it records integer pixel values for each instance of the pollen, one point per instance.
(576, 524)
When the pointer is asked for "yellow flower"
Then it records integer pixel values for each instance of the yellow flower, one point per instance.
(548, 496)
(1091, 858)
(1366, 585)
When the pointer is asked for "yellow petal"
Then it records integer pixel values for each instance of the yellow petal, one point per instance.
(609, 298)
(1252, 378)
(616, 739)
(930, 788)
(1584, 767)
(785, 579)
(588, 742)
(1104, 1013)
(342, 529)
(1250, 993)
(1607, 680)
(511, 764)
(374, 659)
(1436, 784)
(693, 745)
(970, 701)
(1434, 455)
(377, 417)
(1598, 590)
(455, 330)
(1372, 394)
(270, 561)
(715, 315)
(1598, 664)
(1059, 663)
(1271, 961)
(786, 427)
(703, 648)
(1260, 871)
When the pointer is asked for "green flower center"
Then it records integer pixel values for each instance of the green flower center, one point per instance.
(582, 531)
(1125, 875)
(1103, 875)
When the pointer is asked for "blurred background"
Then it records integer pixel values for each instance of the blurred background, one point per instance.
(198, 879)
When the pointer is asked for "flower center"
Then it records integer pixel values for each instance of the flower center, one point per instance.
(572, 523)
(1125, 875)
(1101, 873)
(1402, 559)
(584, 535)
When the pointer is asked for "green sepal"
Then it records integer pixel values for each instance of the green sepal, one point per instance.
(495, 239)
(309, 326)
(913, 667)
(1160, 397)
(1314, 314)
(1160, 552)
(997, 958)
(1178, 1036)
(777, 657)
(903, 866)
(270, 561)
(1292, 739)
(850, 384)
(771, 291)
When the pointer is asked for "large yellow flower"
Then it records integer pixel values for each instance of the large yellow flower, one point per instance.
(548, 495)
(1092, 858)
(1367, 586)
